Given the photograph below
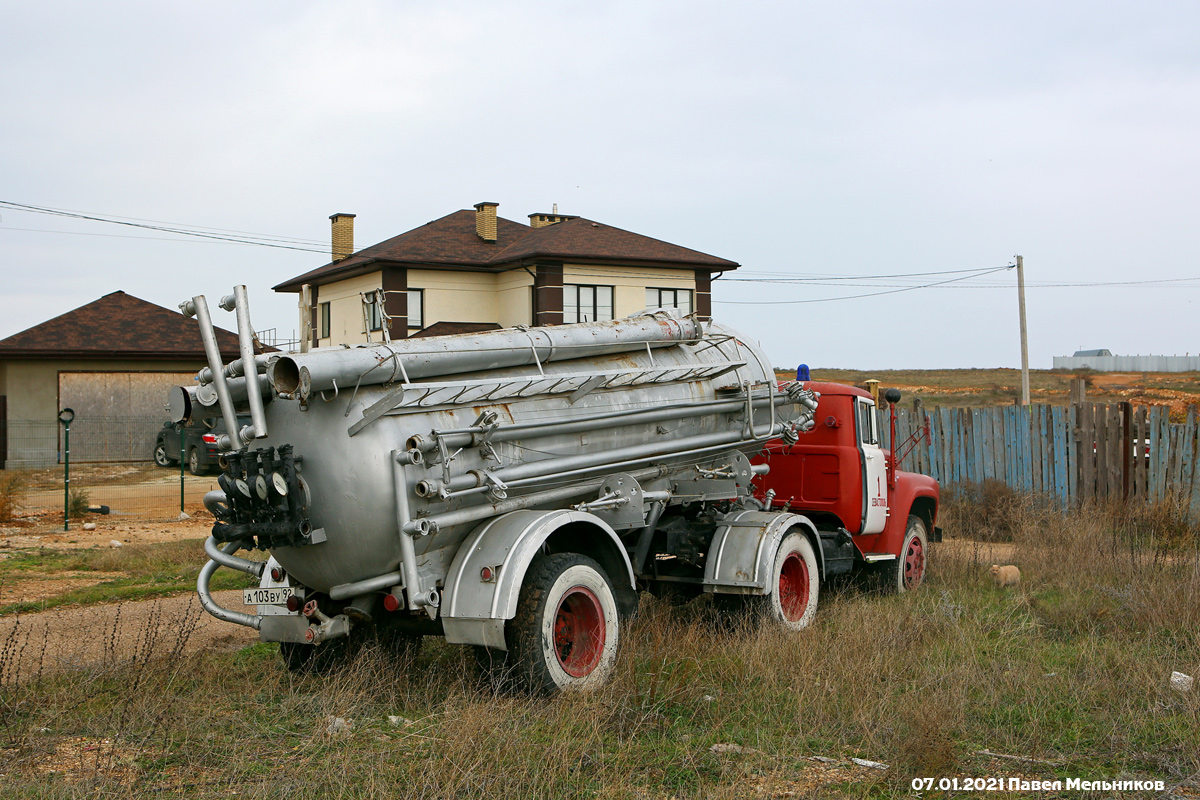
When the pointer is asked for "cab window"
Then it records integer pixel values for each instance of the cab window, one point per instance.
(867, 432)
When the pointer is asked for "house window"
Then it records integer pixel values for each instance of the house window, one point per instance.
(670, 298)
(374, 318)
(416, 308)
(324, 321)
(587, 303)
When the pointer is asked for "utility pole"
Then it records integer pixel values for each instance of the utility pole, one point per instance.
(1024, 335)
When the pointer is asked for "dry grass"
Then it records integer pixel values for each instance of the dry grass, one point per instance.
(1072, 667)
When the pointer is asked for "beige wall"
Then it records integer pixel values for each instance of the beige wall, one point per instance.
(505, 298)
(456, 296)
(514, 292)
(629, 284)
(346, 309)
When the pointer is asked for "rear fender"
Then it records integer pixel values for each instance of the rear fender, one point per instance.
(743, 550)
(474, 608)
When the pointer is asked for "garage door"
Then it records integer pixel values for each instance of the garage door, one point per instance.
(117, 414)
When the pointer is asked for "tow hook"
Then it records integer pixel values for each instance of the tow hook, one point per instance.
(325, 627)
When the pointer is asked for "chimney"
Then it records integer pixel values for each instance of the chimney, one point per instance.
(343, 235)
(542, 219)
(485, 221)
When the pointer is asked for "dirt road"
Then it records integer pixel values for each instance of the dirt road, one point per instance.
(74, 636)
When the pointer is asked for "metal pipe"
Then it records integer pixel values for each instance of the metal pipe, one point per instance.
(464, 437)
(475, 513)
(408, 554)
(566, 464)
(258, 417)
(234, 368)
(224, 558)
(206, 598)
(347, 590)
(449, 355)
(199, 306)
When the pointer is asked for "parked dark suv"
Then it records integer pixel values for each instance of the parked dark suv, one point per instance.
(199, 443)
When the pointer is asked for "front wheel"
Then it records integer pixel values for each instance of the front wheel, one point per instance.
(566, 629)
(160, 455)
(907, 571)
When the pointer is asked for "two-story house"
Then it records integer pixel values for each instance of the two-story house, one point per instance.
(474, 270)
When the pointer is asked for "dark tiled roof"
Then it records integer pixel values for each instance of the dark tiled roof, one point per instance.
(451, 243)
(117, 325)
(583, 239)
(451, 328)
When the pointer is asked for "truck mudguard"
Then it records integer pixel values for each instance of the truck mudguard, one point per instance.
(743, 549)
(487, 571)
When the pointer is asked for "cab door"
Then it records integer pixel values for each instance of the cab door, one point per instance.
(873, 468)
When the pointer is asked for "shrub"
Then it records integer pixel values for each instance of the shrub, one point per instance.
(13, 487)
(77, 506)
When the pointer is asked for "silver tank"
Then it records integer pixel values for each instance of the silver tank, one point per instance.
(387, 439)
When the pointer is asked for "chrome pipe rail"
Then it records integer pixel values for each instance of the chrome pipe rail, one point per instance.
(224, 558)
(206, 599)
(408, 555)
(198, 307)
(258, 418)
(476, 513)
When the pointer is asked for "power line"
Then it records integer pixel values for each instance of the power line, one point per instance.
(117, 236)
(852, 297)
(261, 240)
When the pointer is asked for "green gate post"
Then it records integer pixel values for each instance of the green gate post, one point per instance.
(65, 417)
(180, 470)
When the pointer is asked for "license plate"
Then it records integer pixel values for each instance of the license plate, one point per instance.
(271, 596)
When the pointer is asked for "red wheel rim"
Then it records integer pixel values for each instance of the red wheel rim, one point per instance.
(793, 587)
(579, 632)
(914, 564)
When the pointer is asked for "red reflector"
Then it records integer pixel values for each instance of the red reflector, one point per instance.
(210, 438)
(293, 603)
(486, 574)
(391, 602)
(277, 574)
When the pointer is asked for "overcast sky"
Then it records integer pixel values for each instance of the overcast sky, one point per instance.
(799, 139)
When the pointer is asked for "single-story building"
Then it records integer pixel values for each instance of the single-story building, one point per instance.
(112, 362)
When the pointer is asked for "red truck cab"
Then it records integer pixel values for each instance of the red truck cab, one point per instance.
(869, 514)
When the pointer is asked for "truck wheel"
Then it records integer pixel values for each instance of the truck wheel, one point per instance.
(160, 455)
(565, 632)
(795, 582)
(907, 571)
(308, 659)
(194, 462)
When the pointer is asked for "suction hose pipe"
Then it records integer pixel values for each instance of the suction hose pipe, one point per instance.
(225, 553)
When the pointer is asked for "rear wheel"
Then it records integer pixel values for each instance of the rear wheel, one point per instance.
(194, 462)
(795, 582)
(907, 571)
(566, 629)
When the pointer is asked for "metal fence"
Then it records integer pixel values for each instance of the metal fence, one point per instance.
(111, 468)
(32, 444)
(1075, 454)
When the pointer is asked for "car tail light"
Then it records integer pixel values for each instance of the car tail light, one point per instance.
(209, 438)
(293, 604)
(277, 574)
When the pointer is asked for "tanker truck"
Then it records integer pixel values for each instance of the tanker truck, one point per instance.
(511, 490)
